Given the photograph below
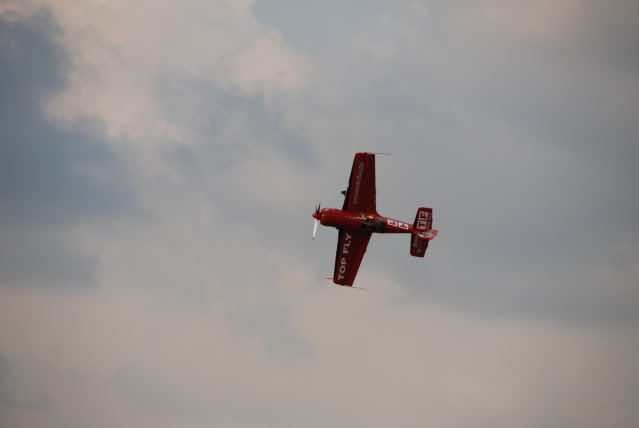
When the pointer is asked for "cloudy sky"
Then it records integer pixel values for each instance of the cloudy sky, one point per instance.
(159, 162)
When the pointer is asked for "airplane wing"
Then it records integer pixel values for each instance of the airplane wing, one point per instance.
(360, 196)
(351, 246)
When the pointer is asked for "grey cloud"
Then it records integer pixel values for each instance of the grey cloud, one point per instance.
(5, 373)
(50, 177)
(38, 256)
(269, 319)
(610, 32)
(225, 130)
(206, 114)
(152, 396)
(12, 397)
(179, 406)
(535, 253)
(318, 27)
(525, 151)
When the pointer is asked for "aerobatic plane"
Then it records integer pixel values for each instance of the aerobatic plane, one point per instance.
(358, 220)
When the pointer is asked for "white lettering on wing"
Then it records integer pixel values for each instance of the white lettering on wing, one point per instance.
(343, 262)
(358, 181)
(347, 244)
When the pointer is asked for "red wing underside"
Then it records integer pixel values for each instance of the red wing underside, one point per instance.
(360, 196)
(351, 246)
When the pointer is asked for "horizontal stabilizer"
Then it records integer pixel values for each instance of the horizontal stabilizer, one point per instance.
(418, 246)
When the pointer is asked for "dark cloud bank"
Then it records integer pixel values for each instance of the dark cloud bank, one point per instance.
(50, 177)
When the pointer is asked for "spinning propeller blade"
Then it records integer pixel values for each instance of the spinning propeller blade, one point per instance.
(317, 215)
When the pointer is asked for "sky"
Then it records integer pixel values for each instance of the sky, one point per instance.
(160, 161)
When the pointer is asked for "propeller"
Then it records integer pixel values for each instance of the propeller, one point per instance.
(316, 216)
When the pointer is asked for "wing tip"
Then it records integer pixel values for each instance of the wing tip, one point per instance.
(348, 285)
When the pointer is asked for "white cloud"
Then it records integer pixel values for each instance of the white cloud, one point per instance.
(119, 49)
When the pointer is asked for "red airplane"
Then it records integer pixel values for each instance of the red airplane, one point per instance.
(358, 220)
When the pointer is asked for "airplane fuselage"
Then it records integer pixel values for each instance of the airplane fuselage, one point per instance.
(371, 222)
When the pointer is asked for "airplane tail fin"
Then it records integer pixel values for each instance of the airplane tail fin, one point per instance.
(422, 233)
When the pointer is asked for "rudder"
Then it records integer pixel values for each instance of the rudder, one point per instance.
(423, 232)
(423, 219)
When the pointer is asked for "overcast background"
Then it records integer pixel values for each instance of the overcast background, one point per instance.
(159, 162)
